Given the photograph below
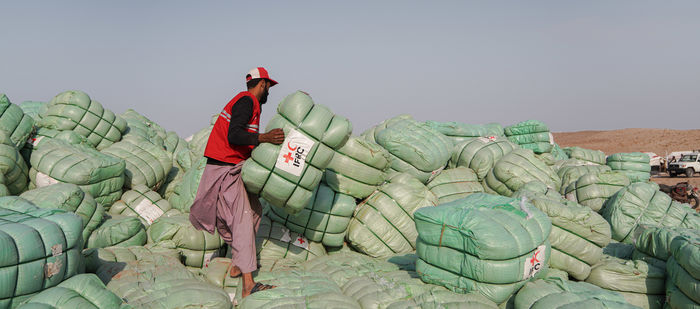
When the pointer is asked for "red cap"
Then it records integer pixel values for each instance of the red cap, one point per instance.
(259, 72)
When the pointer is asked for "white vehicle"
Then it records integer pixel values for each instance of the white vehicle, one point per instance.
(688, 165)
(655, 161)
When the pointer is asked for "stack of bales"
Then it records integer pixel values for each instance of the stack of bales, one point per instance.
(415, 148)
(40, 249)
(480, 154)
(683, 267)
(643, 204)
(516, 169)
(262, 174)
(640, 283)
(531, 134)
(588, 155)
(75, 111)
(485, 243)
(324, 219)
(357, 168)
(578, 234)
(570, 174)
(383, 224)
(461, 132)
(634, 164)
(453, 184)
(593, 189)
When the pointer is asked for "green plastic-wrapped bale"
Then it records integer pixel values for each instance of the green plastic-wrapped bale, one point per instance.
(280, 183)
(14, 122)
(74, 110)
(40, 249)
(401, 289)
(141, 202)
(656, 241)
(480, 154)
(325, 218)
(184, 192)
(516, 169)
(357, 168)
(146, 163)
(96, 257)
(186, 158)
(683, 286)
(71, 198)
(588, 155)
(530, 134)
(159, 281)
(634, 164)
(641, 284)
(274, 242)
(570, 174)
(98, 174)
(460, 132)
(593, 189)
(12, 166)
(119, 231)
(578, 234)
(445, 299)
(383, 224)
(84, 291)
(643, 204)
(196, 247)
(560, 154)
(533, 291)
(453, 184)
(572, 300)
(485, 243)
(295, 289)
(371, 133)
(33, 109)
(341, 267)
(415, 148)
(141, 126)
(217, 273)
(40, 135)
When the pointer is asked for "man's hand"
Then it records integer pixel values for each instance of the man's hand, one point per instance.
(275, 136)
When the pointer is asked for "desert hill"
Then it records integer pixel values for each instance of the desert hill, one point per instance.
(659, 141)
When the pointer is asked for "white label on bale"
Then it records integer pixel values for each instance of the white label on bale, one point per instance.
(148, 211)
(301, 242)
(43, 180)
(285, 235)
(209, 256)
(34, 140)
(535, 262)
(292, 156)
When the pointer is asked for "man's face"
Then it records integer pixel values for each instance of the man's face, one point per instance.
(266, 91)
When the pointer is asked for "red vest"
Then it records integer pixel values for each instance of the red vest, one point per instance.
(218, 147)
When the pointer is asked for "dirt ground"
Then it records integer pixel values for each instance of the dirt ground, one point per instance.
(659, 141)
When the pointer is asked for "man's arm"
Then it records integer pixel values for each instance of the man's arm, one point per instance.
(241, 112)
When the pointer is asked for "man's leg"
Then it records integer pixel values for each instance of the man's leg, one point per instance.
(242, 215)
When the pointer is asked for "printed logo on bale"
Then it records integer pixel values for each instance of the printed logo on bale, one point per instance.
(292, 155)
(535, 262)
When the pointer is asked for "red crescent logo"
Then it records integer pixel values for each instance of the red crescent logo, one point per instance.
(290, 147)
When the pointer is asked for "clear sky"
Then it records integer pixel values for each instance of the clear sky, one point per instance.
(576, 65)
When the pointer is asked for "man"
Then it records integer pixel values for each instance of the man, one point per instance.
(222, 202)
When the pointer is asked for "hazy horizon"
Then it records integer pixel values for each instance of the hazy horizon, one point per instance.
(577, 66)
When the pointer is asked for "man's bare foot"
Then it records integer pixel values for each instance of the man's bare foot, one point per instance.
(234, 271)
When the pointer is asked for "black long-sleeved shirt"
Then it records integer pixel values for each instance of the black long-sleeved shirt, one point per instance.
(241, 111)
